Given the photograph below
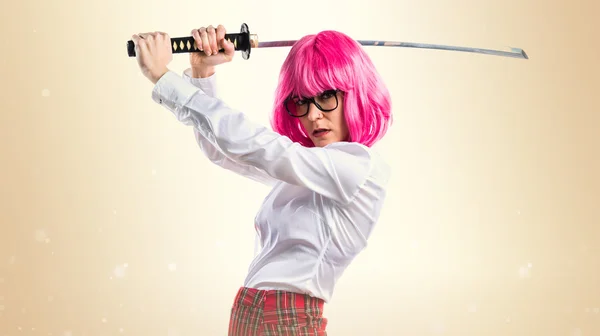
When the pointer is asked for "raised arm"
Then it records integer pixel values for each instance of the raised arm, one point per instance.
(208, 86)
(336, 171)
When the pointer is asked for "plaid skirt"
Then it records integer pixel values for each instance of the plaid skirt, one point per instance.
(276, 313)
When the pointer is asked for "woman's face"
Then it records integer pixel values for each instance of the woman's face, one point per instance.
(323, 126)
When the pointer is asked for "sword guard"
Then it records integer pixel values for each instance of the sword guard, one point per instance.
(242, 41)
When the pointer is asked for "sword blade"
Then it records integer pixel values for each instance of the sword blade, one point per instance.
(508, 52)
(245, 42)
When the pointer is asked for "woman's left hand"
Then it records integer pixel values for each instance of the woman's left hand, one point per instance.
(153, 53)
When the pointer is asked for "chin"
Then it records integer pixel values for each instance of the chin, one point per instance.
(322, 142)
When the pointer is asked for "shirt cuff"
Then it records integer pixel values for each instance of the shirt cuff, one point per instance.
(207, 84)
(173, 91)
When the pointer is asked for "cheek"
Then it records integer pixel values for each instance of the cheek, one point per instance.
(305, 123)
(345, 132)
(341, 122)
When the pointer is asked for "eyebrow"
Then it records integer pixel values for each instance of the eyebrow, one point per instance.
(318, 94)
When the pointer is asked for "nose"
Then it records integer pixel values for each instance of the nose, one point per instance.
(313, 112)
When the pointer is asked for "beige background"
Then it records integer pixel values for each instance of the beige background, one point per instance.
(113, 223)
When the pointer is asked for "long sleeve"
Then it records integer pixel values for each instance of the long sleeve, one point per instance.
(336, 171)
(208, 86)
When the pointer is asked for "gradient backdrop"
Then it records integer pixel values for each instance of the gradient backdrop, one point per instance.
(113, 223)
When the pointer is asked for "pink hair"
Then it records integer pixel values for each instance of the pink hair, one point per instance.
(332, 60)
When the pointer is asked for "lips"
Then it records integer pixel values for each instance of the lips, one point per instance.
(320, 132)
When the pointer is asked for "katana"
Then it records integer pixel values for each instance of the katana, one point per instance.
(245, 42)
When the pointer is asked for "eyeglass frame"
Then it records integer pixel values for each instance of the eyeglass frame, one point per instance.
(312, 99)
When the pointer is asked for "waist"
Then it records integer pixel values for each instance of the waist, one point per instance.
(287, 271)
(273, 300)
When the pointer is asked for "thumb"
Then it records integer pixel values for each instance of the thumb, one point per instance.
(228, 48)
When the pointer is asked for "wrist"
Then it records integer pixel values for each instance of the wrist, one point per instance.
(156, 76)
(203, 71)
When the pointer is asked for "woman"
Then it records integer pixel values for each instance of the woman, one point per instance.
(331, 106)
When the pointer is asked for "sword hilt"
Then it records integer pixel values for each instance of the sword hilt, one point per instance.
(242, 41)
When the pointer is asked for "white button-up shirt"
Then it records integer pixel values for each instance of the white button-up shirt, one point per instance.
(324, 201)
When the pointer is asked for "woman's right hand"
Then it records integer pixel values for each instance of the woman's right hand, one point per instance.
(210, 40)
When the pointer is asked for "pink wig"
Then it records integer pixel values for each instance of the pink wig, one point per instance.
(332, 60)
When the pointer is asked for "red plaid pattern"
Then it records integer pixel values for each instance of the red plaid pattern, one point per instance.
(276, 313)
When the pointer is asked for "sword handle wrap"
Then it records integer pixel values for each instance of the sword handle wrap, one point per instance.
(242, 41)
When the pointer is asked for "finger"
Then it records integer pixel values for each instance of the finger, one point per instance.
(146, 36)
(146, 40)
(164, 41)
(136, 42)
(205, 42)
(212, 39)
(220, 36)
(139, 40)
(228, 48)
(196, 36)
(163, 37)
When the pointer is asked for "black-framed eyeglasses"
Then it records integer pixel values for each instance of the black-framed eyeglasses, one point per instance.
(298, 107)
